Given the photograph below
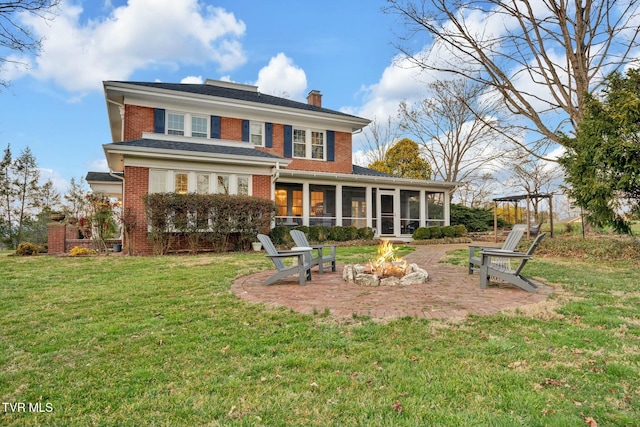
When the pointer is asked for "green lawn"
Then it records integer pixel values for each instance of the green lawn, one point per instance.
(162, 341)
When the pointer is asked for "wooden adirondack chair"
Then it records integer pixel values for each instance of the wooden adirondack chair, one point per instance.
(514, 237)
(300, 239)
(490, 269)
(302, 268)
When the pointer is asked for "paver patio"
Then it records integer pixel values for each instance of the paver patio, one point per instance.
(451, 293)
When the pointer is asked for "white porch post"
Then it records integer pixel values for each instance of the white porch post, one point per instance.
(338, 204)
(306, 202)
(368, 198)
(447, 211)
(423, 208)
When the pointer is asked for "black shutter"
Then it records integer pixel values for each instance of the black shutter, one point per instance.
(158, 120)
(331, 149)
(216, 127)
(268, 135)
(288, 141)
(245, 130)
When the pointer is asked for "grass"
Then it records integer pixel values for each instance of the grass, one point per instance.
(162, 341)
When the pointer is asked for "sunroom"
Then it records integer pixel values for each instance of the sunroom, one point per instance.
(393, 207)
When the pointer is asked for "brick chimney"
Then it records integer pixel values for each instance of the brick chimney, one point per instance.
(314, 98)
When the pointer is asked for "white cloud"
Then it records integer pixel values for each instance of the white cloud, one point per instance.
(98, 165)
(281, 77)
(78, 55)
(192, 80)
(60, 184)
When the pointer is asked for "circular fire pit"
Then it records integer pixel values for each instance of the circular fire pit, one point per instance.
(362, 275)
(385, 270)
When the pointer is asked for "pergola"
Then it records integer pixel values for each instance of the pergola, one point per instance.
(516, 200)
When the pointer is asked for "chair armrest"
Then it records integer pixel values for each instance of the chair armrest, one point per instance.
(286, 254)
(505, 254)
(320, 248)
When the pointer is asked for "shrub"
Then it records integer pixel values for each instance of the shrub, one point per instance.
(422, 233)
(366, 233)
(448, 231)
(460, 230)
(26, 249)
(336, 233)
(303, 228)
(435, 232)
(318, 233)
(81, 251)
(215, 217)
(280, 235)
(350, 232)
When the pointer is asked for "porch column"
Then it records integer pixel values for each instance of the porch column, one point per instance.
(423, 208)
(306, 202)
(338, 204)
(368, 201)
(447, 211)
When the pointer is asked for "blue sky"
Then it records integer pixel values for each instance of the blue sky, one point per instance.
(287, 48)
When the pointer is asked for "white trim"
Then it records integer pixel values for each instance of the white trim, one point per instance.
(225, 107)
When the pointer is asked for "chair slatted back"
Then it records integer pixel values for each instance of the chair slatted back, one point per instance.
(268, 246)
(531, 250)
(514, 237)
(299, 238)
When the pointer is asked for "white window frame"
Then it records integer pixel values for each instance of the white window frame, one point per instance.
(251, 134)
(309, 144)
(188, 124)
(169, 178)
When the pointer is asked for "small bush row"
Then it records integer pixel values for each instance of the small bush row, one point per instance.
(437, 232)
(320, 234)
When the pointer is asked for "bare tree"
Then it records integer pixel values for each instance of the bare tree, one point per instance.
(541, 59)
(476, 193)
(379, 137)
(16, 37)
(456, 129)
(533, 175)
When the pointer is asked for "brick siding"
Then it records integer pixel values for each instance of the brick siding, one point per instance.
(137, 120)
(136, 185)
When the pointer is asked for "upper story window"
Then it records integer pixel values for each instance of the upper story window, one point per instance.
(175, 124)
(198, 127)
(187, 125)
(257, 134)
(310, 144)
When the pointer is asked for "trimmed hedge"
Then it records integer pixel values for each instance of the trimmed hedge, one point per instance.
(213, 218)
(435, 232)
(320, 234)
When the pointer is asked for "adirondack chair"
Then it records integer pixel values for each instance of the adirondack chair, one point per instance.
(514, 237)
(490, 269)
(300, 239)
(302, 268)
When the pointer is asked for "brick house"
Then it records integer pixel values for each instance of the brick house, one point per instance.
(222, 137)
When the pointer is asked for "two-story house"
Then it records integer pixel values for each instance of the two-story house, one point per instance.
(222, 137)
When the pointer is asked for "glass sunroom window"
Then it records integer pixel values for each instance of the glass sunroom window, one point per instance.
(409, 211)
(288, 204)
(435, 208)
(354, 208)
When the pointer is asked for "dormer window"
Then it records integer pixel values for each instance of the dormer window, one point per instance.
(186, 124)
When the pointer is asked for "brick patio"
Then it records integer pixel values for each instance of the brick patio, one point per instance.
(450, 294)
